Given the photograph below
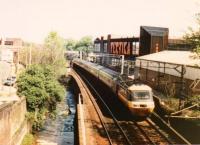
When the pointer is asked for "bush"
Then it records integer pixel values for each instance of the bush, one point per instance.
(39, 85)
(193, 100)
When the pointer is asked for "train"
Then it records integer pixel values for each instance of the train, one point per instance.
(136, 96)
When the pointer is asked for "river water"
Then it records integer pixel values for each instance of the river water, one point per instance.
(68, 130)
(61, 130)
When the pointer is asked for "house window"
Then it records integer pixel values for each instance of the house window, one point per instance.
(8, 43)
(97, 47)
(135, 48)
(105, 47)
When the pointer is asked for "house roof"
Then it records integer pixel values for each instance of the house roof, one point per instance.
(173, 57)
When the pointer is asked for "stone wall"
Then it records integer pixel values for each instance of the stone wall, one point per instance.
(13, 124)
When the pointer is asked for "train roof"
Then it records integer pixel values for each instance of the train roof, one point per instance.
(109, 71)
(99, 67)
(139, 87)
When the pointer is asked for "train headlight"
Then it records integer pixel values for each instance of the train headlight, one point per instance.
(151, 105)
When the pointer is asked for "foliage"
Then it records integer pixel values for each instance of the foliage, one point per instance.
(84, 44)
(50, 53)
(170, 105)
(28, 139)
(42, 90)
(194, 100)
(54, 45)
(70, 44)
(31, 53)
(31, 84)
(54, 53)
(44, 65)
(193, 37)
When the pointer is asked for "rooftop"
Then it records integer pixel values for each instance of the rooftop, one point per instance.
(173, 57)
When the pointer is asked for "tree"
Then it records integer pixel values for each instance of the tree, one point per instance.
(54, 52)
(31, 84)
(193, 37)
(31, 53)
(70, 44)
(84, 44)
(38, 83)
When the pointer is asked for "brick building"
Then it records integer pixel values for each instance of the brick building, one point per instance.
(9, 48)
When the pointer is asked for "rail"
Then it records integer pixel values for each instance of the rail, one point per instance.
(170, 129)
(73, 73)
(152, 133)
(113, 117)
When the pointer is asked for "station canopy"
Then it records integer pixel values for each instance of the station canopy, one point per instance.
(186, 58)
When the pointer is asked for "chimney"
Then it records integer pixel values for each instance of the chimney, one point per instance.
(108, 43)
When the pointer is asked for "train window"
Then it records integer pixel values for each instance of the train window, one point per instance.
(141, 95)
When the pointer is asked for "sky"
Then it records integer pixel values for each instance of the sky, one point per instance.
(32, 20)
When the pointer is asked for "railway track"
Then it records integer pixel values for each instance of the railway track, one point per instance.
(152, 133)
(112, 130)
(126, 132)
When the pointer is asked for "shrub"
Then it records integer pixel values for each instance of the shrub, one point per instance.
(39, 85)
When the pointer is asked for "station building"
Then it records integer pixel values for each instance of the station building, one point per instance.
(151, 40)
(165, 64)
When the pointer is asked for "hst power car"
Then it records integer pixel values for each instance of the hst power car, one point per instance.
(136, 96)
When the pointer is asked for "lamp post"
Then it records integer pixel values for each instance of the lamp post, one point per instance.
(122, 66)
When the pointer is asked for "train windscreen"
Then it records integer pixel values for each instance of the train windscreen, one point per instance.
(141, 95)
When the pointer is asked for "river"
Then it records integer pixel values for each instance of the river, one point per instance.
(61, 130)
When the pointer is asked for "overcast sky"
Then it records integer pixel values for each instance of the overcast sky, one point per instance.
(32, 20)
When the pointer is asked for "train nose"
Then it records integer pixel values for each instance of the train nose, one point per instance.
(142, 109)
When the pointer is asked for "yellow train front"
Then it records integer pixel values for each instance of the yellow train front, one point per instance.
(138, 98)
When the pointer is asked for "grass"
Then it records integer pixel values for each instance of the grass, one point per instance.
(28, 139)
(172, 105)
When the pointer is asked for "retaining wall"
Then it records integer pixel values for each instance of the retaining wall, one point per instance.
(13, 124)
